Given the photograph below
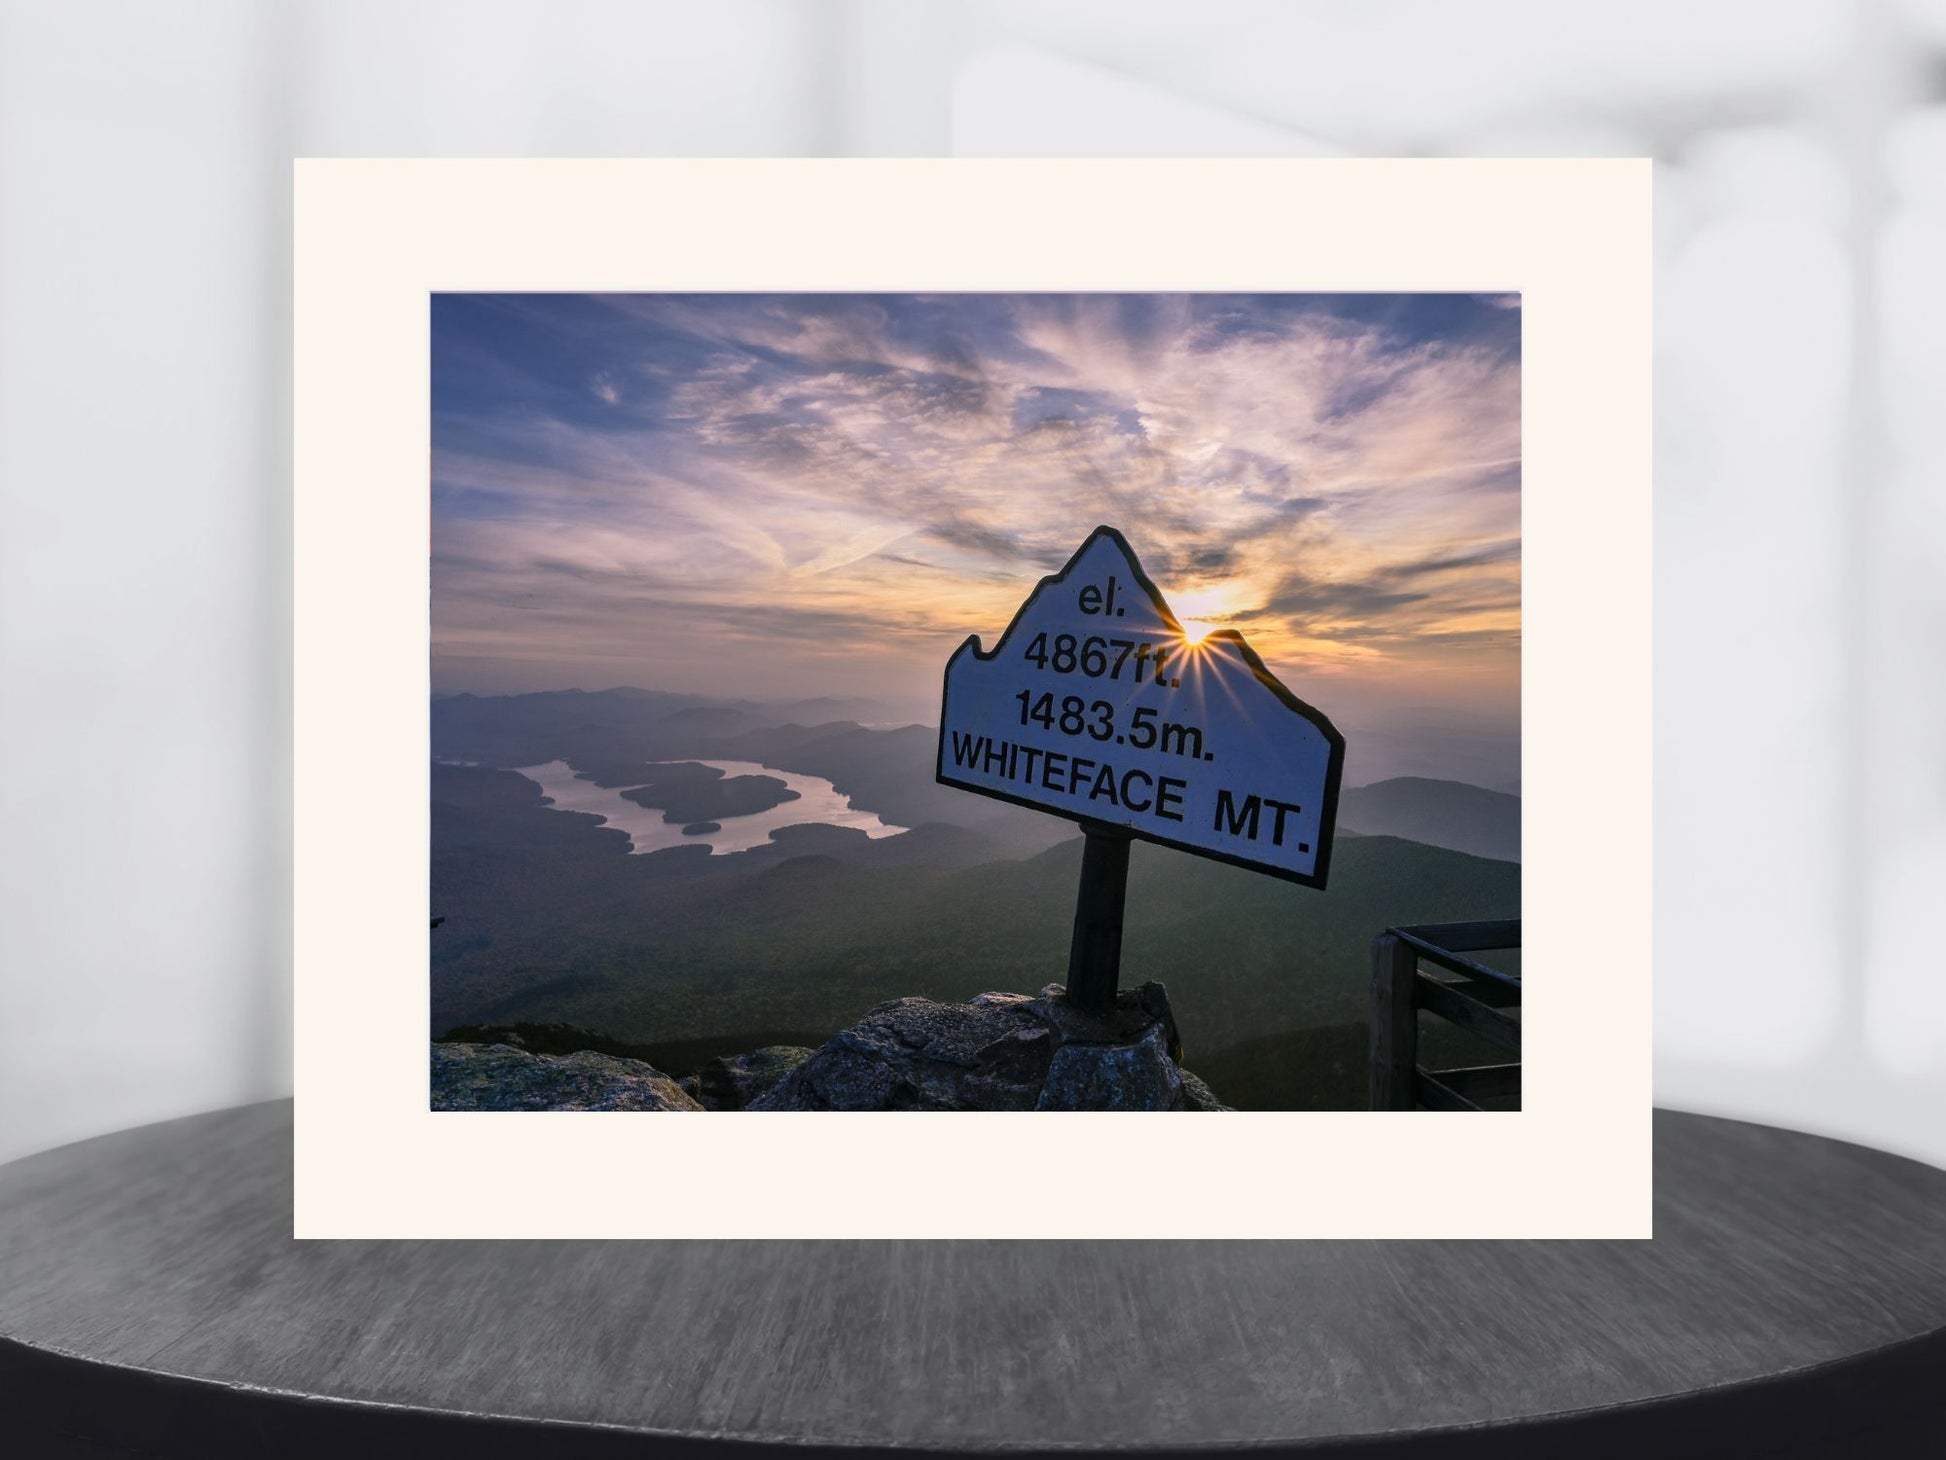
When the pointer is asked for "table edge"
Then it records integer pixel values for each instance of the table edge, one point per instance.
(1883, 1394)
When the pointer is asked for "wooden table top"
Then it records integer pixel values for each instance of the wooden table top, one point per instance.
(152, 1302)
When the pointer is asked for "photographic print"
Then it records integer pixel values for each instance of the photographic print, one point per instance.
(975, 701)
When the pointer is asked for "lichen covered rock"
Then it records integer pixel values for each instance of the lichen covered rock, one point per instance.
(501, 1077)
(1134, 1076)
(732, 1082)
(997, 1051)
(1198, 1096)
(1000, 1051)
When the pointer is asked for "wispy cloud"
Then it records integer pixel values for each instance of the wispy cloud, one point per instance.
(832, 490)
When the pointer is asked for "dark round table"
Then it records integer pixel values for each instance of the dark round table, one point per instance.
(152, 1303)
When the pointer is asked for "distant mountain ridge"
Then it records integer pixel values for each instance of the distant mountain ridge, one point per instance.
(548, 921)
(1448, 814)
(609, 735)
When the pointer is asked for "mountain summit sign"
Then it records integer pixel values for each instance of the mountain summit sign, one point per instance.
(1097, 705)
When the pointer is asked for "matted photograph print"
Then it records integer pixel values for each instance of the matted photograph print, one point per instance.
(975, 702)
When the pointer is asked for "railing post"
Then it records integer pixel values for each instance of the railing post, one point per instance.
(1395, 1024)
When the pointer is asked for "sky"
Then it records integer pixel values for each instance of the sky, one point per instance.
(786, 496)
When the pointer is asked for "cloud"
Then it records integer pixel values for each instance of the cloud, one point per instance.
(1339, 476)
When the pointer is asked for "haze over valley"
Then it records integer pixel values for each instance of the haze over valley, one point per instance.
(552, 916)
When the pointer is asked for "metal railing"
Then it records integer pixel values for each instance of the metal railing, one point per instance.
(1425, 967)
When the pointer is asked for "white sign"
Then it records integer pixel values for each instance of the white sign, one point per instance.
(1096, 705)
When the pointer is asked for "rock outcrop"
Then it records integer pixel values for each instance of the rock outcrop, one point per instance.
(501, 1077)
(1000, 1051)
(732, 1082)
(997, 1051)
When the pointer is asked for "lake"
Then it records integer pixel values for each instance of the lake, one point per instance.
(818, 801)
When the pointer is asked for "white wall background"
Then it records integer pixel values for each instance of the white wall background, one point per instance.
(144, 379)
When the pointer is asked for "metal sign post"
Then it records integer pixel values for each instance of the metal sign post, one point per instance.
(1095, 955)
(1097, 705)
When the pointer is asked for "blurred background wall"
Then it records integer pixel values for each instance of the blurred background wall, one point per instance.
(1800, 460)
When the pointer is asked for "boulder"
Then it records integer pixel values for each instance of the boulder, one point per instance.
(1134, 1076)
(999, 1051)
(501, 1077)
(1197, 1096)
(917, 1054)
(733, 1081)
